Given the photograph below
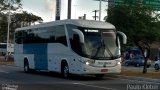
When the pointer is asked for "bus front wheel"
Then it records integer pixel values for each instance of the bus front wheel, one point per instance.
(65, 70)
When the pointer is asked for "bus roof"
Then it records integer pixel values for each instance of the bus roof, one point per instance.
(81, 23)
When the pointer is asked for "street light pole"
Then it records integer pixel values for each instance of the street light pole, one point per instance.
(8, 33)
(69, 9)
(58, 9)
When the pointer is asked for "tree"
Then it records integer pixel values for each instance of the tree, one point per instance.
(13, 4)
(17, 19)
(139, 22)
(22, 20)
(25, 19)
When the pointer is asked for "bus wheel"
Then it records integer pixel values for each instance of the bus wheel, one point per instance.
(26, 67)
(65, 71)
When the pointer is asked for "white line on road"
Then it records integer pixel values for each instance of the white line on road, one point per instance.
(95, 86)
(3, 72)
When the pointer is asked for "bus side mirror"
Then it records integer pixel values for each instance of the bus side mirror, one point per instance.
(81, 36)
(124, 37)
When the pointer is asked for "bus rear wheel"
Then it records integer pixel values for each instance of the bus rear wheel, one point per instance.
(26, 67)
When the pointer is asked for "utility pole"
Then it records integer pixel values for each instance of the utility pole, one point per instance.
(95, 16)
(100, 7)
(69, 9)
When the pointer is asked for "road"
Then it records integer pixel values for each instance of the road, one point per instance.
(13, 78)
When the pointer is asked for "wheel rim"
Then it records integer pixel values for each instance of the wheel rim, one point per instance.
(26, 68)
(65, 71)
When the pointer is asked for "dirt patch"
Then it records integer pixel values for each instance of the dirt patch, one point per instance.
(6, 62)
(149, 74)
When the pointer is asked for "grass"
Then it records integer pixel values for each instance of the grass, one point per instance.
(149, 74)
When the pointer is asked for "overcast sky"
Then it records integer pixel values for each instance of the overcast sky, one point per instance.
(46, 8)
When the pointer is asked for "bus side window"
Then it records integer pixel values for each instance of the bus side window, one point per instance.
(60, 35)
(18, 37)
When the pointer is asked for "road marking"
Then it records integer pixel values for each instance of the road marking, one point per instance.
(3, 72)
(94, 86)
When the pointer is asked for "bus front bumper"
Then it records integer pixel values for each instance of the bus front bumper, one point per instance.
(101, 70)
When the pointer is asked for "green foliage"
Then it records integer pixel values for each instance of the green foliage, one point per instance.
(17, 19)
(137, 21)
(25, 19)
(13, 4)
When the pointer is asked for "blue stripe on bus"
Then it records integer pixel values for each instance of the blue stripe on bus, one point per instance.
(40, 54)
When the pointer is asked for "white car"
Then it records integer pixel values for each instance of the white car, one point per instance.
(157, 64)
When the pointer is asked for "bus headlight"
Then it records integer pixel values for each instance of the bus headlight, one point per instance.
(118, 62)
(89, 62)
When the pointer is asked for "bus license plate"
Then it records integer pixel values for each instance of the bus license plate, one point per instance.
(104, 70)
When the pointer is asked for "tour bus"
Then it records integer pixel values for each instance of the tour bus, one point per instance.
(82, 47)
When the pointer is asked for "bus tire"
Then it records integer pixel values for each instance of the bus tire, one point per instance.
(65, 69)
(26, 66)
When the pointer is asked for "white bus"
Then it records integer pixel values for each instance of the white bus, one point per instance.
(69, 47)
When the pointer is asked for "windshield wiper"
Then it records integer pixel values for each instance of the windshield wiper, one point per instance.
(103, 46)
(109, 52)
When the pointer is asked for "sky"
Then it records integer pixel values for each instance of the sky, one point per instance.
(46, 8)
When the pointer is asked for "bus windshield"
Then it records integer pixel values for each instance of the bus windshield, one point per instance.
(100, 44)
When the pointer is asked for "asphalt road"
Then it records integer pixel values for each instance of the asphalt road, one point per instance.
(13, 78)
